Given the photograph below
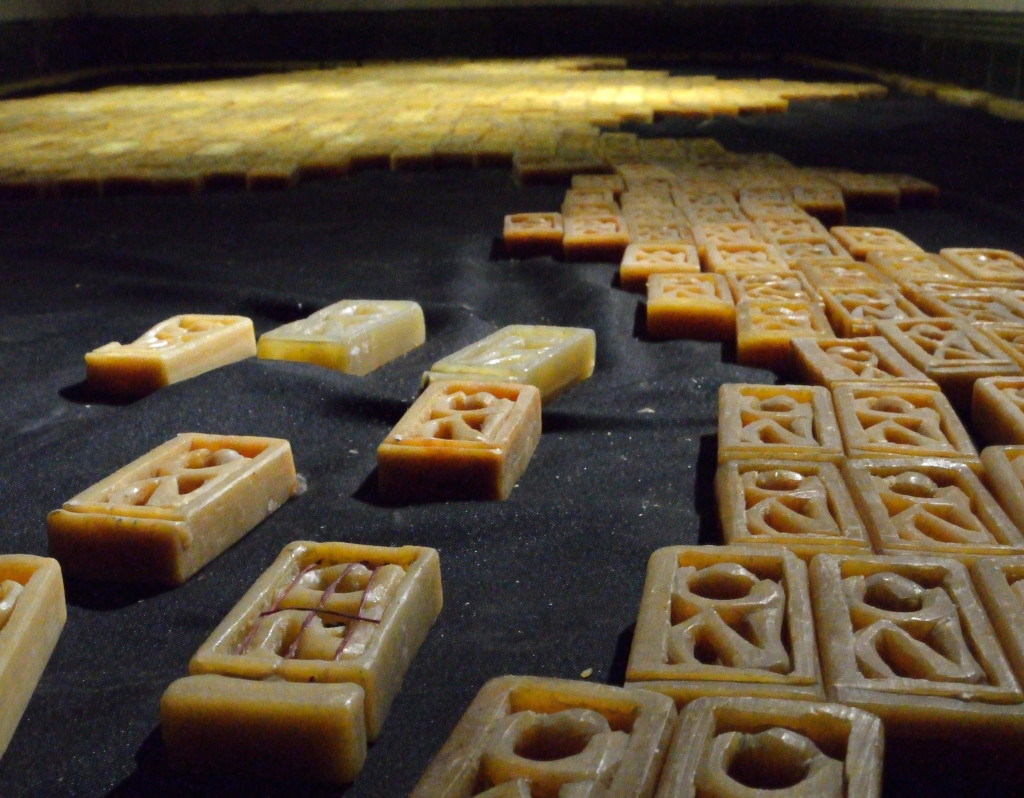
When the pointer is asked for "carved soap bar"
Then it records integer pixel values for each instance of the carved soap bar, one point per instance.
(310, 659)
(176, 349)
(355, 336)
(551, 358)
(739, 747)
(527, 736)
(696, 306)
(835, 361)
(722, 620)
(640, 261)
(164, 516)
(907, 639)
(32, 614)
(460, 440)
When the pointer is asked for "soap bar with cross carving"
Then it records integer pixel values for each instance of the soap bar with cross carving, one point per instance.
(802, 506)
(460, 440)
(530, 737)
(930, 506)
(551, 358)
(906, 638)
(309, 662)
(176, 349)
(164, 516)
(718, 620)
(354, 336)
(32, 615)
(740, 747)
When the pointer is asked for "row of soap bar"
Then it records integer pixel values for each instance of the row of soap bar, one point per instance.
(929, 645)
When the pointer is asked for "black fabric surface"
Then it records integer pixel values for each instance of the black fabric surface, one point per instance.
(545, 583)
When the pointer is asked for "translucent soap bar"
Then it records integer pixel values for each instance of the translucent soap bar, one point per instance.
(460, 440)
(32, 615)
(697, 306)
(722, 620)
(310, 658)
(551, 358)
(161, 518)
(354, 336)
(527, 235)
(527, 736)
(741, 747)
(802, 506)
(931, 506)
(907, 639)
(176, 349)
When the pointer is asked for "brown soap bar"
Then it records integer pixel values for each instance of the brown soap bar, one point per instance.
(331, 613)
(997, 409)
(802, 506)
(907, 639)
(460, 440)
(792, 422)
(695, 306)
(1004, 474)
(741, 747)
(529, 736)
(835, 361)
(722, 620)
(164, 516)
(1000, 584)
(295, 731)
(176, 349)
(930, 506)
(32, 615)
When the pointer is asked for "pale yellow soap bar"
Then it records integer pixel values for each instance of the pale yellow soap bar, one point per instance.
(355, 336)
(310, 732)
(331, 613)
(164, 516)
(174, 350)
(551, 358)
(32, 614)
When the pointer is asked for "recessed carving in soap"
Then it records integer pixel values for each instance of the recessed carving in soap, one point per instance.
(921, 509)
(787, 502)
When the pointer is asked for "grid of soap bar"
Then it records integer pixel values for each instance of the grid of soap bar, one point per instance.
(308, 661)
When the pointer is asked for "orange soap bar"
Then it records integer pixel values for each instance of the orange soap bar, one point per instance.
(695, 306)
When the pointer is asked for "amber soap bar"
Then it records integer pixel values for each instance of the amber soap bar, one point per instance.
(176, 349)
(461, 440)
(551, 358)
(526, 736)
(164, 516)
(740, 747)
(32, 615)
(354, 336)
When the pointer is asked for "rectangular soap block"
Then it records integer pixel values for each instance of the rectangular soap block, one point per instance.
(792, 422)
(997, 410)
(162, 517)
(802, 506)
(176, 349)
(907, 639)
(765, 330)
(900, 266)
(998, 581)
(836, 361)
(974, 303)
(768, 287)
(32, 615)
(987, 265)
(331, 613)
(697, 306)
(930, 506)
(741, 746)
(859, 241)
(597, 237)
(528, 736)
(262, 729)
(856, 312)
(840, 272)
(551, 358)
(641, 261)
(723, 620)
(461, 440)
(354, 336)
(1004, 475)
(752, 257)
(893, 421)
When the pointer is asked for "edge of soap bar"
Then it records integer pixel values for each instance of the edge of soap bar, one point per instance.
(278, 729)
(30, 634)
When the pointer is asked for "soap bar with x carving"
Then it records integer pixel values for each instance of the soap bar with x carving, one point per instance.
(176, 349)
(164, 516)
(308, 663)
(460, 440)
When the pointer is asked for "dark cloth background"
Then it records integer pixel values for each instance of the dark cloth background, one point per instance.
(545, 583)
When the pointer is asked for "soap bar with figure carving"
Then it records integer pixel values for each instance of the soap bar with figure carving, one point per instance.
(174, 350)
(460, 440)
(528, 736)
(32, 614)
(308, 663)
(161, 518)
(354, 336)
